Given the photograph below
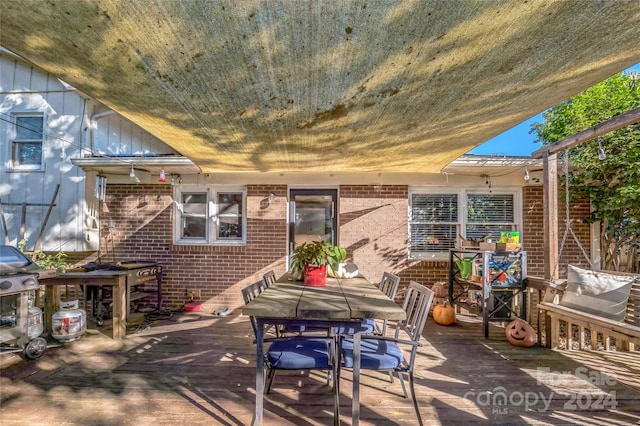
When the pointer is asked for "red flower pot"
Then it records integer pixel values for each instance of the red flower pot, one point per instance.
(315, 275)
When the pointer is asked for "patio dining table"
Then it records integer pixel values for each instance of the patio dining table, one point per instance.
(341, 303)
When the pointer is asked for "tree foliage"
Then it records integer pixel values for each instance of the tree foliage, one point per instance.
(612, 184)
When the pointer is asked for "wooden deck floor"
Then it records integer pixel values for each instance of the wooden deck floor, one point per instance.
(197, 369)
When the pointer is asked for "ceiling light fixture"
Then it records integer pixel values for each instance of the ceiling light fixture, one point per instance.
(132, 173)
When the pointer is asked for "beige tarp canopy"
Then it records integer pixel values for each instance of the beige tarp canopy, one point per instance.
(342, 86)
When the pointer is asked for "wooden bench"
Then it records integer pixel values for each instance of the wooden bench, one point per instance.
(626, 333)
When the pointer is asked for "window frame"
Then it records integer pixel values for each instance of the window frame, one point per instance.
(462, 220)
(14, 165)
(212, 216)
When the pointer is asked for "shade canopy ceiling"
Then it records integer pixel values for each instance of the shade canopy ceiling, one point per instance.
(325, 85)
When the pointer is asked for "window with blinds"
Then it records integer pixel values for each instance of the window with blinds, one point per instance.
(433, 223)
(437, 219)
(488, 215)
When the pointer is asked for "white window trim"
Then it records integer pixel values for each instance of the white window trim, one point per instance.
(462, 213)
(212, 217)
(12, 166)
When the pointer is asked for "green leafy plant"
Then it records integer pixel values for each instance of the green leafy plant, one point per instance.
(57, 261)
(604, 171)
(316, 253)
(337, 255)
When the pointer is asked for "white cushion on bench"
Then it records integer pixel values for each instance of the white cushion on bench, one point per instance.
(597, 293)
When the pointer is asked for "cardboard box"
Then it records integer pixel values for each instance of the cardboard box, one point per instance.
(493, 246)
(513, 246)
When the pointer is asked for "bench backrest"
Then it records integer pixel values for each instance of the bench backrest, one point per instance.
(632, 315)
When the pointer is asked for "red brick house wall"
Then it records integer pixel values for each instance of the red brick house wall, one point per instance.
(373, 227)
(143, 217)
(533, 232)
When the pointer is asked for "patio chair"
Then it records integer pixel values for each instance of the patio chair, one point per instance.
(269, 278)
(384, 353)
(249, 293)
(389, 286)
(295, 352)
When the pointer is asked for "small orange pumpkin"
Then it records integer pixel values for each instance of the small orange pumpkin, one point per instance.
(520, 333)
(444, 314)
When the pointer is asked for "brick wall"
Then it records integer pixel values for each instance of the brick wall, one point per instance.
(373, 228)
(533, 229)
(144, 231)
(533, 232)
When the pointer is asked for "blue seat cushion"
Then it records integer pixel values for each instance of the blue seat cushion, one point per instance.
(299, 354)
(374, 354)
(368, 326)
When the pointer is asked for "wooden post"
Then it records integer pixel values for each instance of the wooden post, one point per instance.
(51, 305)
(550, 227)
(119, 293)
(550, 203)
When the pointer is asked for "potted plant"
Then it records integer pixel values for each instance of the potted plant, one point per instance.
(309, 261)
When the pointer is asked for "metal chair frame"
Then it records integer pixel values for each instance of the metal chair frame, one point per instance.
(280, 343)
(269, 278)
(389, 286)
(416, 306)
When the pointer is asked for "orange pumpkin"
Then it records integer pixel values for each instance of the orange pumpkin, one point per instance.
(444, 314)
(520, 333)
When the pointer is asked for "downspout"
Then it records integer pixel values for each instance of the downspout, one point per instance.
(93, 125)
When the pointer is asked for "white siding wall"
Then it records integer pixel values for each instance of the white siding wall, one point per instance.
(116, 136)
(25, 89)
(73, 224)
